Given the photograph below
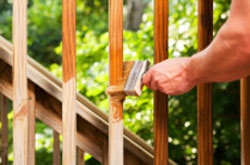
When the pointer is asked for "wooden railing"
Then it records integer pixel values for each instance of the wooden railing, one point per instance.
(31, 84)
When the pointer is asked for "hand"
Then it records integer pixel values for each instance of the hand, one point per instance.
(173, 76)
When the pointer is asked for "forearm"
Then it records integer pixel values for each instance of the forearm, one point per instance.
(227, 58)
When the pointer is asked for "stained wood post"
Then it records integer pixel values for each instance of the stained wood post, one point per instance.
(22, 133)
(69, 82)
(4, 130)
(160, 99)
(245, 121)
(80, 156)
(204, 91)
(115, 76)
(56, 149)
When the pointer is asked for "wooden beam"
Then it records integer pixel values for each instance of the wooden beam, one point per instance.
(80, 156)
(245, 121)
(69, 82)
(56, 149)
(21, 131)
(4, 130)
(160, 99)
(204, 91)
(115, 77)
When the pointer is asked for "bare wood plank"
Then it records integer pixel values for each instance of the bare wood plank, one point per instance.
(69, 82)
(204, 91)
(21, 145)
(160, 99)
(245, 121)
(56, 149)
(4, 130)
(31, 123)
(105, 149)
(80, 156)
(115, 77)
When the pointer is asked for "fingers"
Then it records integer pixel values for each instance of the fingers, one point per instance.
(147, 79)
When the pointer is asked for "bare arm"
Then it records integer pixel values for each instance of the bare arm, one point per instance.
(227, 58)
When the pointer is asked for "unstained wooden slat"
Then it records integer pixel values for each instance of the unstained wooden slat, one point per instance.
(245, 121)
(160, 99)
(31, 123)
(21, 131)
(204, 91)
(80, 156)
(4, 129)
(56, 149)
(115, 76)
(69, 82)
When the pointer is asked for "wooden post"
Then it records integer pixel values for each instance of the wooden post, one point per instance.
(80, 156)
(204, 91)
(69, 82)
(4, 129)
(245, 121)
(31, 124)
(115, 76)
(22, 132)
(160, 99)
(56, 149)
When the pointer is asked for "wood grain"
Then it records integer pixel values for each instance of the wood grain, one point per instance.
(56, 149)
(80, 157)
(105, 149)
(69, 82)
(31, 123)
(4, 129)
(85, 108)
(204, 91)
(160, 99)
(115, 79)
(245, 121)
(21, 131)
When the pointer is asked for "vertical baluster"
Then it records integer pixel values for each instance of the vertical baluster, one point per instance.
(105, 151)
(56, 149)
(31, 124)
(160, 99)
(204, 91)
(4, 129)
(80, 156)
(22, 133)
(69, 82)
(115, 76)
(245, 121)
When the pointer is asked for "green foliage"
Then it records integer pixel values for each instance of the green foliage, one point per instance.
(92, 73)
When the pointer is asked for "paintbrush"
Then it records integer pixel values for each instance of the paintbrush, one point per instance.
(131, 83)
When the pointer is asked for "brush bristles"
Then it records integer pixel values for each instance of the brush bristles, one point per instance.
(133, 85)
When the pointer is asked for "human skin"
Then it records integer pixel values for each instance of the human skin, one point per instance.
(227, 58)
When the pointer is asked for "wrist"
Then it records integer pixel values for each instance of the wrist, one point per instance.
(195, 69)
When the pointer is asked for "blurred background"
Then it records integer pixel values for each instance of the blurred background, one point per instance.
(44, 42)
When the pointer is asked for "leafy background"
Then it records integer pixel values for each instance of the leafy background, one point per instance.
(44, 42)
